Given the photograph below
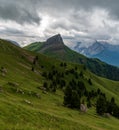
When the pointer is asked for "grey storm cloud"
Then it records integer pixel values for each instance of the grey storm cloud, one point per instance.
(19, 11)
(11, 31)
(23, 11)
(59, 6)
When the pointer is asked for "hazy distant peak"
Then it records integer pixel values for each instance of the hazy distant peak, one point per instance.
(13, 42)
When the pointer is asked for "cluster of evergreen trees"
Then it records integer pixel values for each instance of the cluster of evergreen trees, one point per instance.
(104, 106)
(75, 91)
(55, 79)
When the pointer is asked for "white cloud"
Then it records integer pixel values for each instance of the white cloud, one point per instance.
(76, 20)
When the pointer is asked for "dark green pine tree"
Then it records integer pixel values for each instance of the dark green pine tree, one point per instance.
(75, 100)
(90, 81)
(32, 68)
(71, 98)
(101, 105)
(88, 103)
(115, 111)
(45, 85)
(111, 106)
(67, 96)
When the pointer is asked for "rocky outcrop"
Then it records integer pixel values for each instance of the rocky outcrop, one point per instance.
(55, 40)
(54, 43)
(83, 108)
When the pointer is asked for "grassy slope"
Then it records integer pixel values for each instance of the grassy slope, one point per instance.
(47, 112)
(35, 46)
(96, 66)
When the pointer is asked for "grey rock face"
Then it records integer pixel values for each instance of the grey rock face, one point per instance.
(54, 43)
(95, 48)
(83, 108)
(57, 39)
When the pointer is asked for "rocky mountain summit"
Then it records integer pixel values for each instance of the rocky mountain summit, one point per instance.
(54, 43)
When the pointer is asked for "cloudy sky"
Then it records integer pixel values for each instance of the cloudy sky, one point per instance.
(26, 21)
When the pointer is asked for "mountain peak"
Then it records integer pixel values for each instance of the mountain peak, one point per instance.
(56, 39)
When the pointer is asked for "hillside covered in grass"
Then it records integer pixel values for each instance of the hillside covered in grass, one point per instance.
(54, 47)
(27, 103)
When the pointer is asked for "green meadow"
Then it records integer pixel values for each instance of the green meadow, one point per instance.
(25, 106)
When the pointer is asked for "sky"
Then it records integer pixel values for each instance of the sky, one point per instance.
(26, 21)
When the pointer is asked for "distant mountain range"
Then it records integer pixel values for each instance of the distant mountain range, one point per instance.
(99, 49)
(55, 47)
(13, 42)
(27, 97)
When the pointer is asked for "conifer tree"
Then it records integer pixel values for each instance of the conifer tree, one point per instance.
(101, 105)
